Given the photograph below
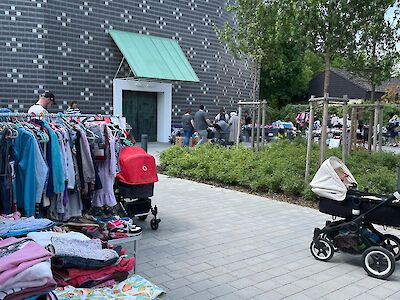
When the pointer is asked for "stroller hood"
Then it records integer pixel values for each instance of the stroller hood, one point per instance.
(332, 180)
(137, 167)
(222, 126)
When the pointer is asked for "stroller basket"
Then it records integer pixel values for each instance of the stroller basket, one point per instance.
(135, 191)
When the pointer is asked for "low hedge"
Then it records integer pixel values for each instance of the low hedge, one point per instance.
(277, 168)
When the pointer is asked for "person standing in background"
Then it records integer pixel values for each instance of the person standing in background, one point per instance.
(72, 108)
(46, 100)
(188, 126)
(233, 127)
(201, 123)
(247, 128)
(222, 116)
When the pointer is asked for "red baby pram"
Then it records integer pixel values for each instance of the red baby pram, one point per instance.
(134, 184)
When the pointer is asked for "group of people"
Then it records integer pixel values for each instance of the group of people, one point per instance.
(46, 100)
(200, 123)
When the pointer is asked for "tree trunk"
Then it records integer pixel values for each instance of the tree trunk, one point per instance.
(327, 78)
(376, 119)
(254, 99)
(255, 81)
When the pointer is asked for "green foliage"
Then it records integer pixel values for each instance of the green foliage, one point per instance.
(375, 55)
(278, 168)
(246, 36)
(287, 78)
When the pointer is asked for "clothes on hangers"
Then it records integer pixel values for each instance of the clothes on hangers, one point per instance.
(67, 166)
(107, 172)
(302, 118)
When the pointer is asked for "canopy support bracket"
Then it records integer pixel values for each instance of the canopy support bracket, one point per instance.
(119, 68)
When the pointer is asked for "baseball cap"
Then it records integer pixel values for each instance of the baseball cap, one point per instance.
(49, 95)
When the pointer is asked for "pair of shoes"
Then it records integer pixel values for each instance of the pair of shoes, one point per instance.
(82, 221)
(116, 225)
(122, 225)
(121, 235)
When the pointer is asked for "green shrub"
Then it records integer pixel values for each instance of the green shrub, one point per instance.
(277, 168)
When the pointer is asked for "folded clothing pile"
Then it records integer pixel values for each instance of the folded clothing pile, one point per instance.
(88, 263)
(25, 269)
(20, 227)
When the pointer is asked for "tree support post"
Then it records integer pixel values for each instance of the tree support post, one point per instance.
(344, 129)
(309, 139)
(354, 128)
(351, 135)
(258, 126)
(253, 122)
(264, 104)
(239, 130)
(376, 120)
(324, 129)
(380, 127)
(370, 129)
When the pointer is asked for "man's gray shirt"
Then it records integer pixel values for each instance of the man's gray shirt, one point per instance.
(200, 120)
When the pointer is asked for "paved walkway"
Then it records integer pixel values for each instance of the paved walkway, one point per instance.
(215, 243)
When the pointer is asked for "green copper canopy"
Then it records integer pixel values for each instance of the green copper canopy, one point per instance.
(154, 57)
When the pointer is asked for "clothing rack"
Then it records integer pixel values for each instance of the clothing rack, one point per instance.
(58, 115)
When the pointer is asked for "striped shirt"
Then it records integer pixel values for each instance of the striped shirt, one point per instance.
(72, 111)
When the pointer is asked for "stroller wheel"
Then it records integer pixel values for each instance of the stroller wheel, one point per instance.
(322, 249)
(392, 243)
(378, 262)
(154, 223)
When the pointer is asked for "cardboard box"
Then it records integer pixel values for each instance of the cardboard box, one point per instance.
(179, 141)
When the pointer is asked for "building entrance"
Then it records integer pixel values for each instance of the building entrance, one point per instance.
(140, 110)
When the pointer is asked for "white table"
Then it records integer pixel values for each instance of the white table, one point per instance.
(128, 240)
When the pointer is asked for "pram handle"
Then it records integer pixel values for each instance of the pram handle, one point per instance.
(390, 199)
(394, 196)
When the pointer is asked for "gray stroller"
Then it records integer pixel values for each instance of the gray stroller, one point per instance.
(221, 136)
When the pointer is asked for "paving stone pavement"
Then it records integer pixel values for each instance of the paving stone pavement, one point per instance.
(215, 243)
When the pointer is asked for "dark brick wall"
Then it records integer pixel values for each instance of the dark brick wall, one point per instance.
(64, 46)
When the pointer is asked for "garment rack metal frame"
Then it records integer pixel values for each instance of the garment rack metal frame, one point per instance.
(58, 115)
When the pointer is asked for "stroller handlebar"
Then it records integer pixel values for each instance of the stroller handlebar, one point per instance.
(395, 197)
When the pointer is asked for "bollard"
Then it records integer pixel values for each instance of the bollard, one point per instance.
(144, 139)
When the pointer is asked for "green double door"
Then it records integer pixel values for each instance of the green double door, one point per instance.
(140, 110)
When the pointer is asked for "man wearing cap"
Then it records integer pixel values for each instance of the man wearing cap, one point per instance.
(45, 101)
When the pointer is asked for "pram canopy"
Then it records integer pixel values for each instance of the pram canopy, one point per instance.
(332, 180)
(137, 166)
(222, 126)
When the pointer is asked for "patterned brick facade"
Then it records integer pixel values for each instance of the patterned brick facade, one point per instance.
(64, 46)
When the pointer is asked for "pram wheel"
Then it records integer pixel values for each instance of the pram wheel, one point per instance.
(142, 218)
(392, 243)
(322, 249)
(378, 262)
(154, 224)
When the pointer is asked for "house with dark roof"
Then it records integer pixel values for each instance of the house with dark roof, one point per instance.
(345, 83)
